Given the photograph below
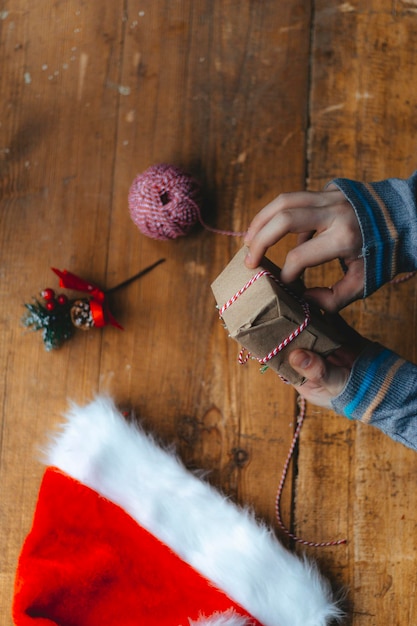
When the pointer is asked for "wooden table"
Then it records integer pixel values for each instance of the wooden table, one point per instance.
(254, 99)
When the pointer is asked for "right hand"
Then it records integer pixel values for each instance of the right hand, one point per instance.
(329, 216)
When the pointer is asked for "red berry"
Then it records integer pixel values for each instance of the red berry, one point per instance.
(62, 299)
(48, 294)
(50, 305)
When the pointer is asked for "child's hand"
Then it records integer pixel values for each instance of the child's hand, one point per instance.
(330, 217)
(327, 377)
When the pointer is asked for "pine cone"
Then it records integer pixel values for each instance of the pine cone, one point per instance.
(81, 314)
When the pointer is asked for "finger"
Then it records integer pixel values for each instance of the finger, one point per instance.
(282, 202)
(311, 253)
(333, 299)
(286, 202)
(303, 237)
(318, 371)
(296, 221)
(290, 201)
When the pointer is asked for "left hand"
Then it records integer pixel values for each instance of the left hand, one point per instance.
(326, 377)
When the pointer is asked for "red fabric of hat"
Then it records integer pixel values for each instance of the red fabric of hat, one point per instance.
(87, 562)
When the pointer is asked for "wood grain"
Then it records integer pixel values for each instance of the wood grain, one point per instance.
(363, 123)
(253, 99)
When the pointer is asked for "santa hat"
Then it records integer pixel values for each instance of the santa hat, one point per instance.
(124, 535)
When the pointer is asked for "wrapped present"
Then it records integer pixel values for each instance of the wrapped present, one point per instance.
(268, 318)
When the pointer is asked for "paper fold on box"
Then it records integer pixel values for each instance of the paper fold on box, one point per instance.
(267, 313)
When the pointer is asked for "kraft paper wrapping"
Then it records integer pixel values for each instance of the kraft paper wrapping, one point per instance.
(265, 314)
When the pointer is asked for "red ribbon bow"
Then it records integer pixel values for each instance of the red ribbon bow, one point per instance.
(98, 304)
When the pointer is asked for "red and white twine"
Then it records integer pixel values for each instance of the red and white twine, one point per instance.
(244, 356)
(311, 544)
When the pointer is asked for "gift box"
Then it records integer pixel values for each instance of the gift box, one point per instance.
(270, 319)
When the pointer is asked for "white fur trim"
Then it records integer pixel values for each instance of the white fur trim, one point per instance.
(98, 447)
(230, 618)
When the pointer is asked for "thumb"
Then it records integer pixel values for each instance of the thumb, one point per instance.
(321, 373)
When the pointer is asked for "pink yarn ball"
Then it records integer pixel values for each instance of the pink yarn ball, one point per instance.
(163, 202)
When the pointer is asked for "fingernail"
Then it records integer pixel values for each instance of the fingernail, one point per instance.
(300, 359)
(248, 259)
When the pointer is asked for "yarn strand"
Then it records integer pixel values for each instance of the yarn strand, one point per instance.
(218, 231)
(296, 538)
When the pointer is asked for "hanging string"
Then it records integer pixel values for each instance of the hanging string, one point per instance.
(164, 203)
(311, 544)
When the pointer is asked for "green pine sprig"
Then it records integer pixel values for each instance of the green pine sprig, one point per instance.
(56, 325)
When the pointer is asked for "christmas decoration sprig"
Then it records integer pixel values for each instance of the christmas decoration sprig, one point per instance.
(57, 316)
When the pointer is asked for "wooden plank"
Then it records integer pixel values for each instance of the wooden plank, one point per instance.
(363, 127)
(58, 123)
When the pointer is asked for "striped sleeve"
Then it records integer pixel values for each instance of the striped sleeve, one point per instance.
(382, 391)
(387, 214)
